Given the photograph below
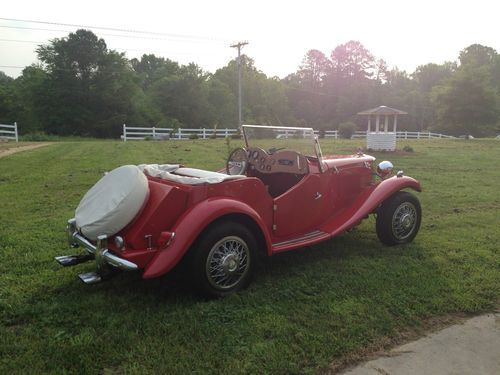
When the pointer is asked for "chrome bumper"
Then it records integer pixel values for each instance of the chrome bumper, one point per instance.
(99, 252)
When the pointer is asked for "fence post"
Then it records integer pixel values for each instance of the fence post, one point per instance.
(406, 134)
(179, 136)
(154, 133)
(124, 133)
(429, 135)
(15, 129)
(227, 134)
(204, 133)
(418, 135)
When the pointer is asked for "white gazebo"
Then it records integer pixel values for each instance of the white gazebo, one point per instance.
(382, 138)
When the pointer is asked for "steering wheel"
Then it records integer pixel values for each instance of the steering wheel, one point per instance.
(237, 162)
(273, 150)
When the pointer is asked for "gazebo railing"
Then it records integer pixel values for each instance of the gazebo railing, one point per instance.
(408, 135)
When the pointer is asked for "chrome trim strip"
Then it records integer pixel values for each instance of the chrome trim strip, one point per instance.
(82, 241)
(308, 236)
(119, 262)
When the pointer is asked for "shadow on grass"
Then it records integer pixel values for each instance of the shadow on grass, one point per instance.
(304, 308)
(338, 264)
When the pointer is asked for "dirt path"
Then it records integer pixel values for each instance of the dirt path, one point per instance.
(13, 150)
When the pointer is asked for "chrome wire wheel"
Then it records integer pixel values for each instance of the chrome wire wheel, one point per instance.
(404, 221)
(227, 262)
(398, 219)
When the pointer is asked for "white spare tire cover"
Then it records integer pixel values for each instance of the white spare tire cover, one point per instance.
(112, 202)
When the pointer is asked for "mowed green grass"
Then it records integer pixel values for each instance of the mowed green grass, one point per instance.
(305, 308)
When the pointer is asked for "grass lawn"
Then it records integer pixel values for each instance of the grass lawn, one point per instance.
(304, 309)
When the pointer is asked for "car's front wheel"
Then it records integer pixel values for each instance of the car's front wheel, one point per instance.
(223, 259)
(398, 219)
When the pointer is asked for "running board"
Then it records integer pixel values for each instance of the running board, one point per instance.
(306, 239)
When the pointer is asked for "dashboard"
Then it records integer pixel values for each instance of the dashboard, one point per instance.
(285, 161)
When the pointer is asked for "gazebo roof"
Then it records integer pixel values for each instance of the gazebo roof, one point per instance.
(382, 110)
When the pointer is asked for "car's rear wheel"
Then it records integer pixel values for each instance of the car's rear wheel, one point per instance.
(398, 219)
(223, 259)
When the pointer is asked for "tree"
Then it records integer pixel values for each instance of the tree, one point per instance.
(477, 55)
(183, 97)
(426, 77)
(352, 60)
(264, 98)
(467, 104)
(315, 66)
(151, 68)
(30, 94)
(7, 100)
(89, 89)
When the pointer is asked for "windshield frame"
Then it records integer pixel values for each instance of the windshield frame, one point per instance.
(314, 138)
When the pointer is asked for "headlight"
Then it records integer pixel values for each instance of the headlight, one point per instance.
(384, 169)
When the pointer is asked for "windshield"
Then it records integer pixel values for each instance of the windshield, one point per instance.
(276, 138)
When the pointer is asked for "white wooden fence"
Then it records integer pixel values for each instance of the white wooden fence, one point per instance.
(9, 132)
(132, 133)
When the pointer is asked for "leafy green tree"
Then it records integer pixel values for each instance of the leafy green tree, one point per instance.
(7, 100)
(426, 77)
(30, 94)
(223, 103)
(89, 89)
(467, 104)
(151, 68)
(183, 96)
(264, 98)
(315, 67)
(352, 60)
(477, 55)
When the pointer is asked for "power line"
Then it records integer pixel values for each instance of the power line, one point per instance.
(114, 48)
(12, 66)
(112, 29)
(20, 41)
(113, 35)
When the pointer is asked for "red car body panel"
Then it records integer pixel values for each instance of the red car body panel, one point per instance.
(318, 206)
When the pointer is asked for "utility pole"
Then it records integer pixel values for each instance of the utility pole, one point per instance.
(239, 45)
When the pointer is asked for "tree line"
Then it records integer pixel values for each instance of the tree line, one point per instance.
(81, 87)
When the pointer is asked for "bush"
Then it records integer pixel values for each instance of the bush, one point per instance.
(347, 129)
(37, 136)
(193, 136)
(408, 148)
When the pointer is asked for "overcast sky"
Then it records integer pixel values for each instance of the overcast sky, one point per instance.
(404, 33)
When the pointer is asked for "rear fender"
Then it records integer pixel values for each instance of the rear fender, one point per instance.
(191, 224)
(367, 203)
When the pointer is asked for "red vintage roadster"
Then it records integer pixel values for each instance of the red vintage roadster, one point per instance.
(268, 200)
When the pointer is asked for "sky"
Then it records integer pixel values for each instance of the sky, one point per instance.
(405, 34)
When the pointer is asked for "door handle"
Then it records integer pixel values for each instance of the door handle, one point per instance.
(317, 196)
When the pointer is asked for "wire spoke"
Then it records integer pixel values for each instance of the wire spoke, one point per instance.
(227, 262)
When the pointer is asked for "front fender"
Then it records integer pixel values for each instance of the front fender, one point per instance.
(191, 224)
(368, 202)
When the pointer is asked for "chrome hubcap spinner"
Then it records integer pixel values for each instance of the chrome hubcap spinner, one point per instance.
(404, 220)
(228, 262)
